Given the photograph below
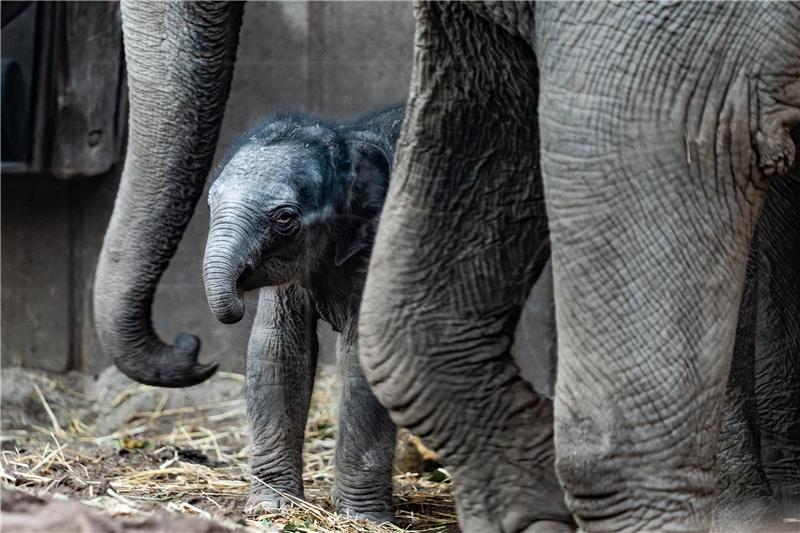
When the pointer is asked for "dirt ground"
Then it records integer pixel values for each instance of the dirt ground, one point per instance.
(103, 453)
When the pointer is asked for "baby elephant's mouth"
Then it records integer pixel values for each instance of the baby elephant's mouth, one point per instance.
(270, 272)
(247, 280)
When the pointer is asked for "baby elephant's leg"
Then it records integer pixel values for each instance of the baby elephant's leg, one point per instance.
(281, 360)
(364, 447)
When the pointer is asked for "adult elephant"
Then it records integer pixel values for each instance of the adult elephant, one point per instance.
(661, 127)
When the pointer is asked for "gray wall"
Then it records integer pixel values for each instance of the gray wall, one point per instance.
(337, 59)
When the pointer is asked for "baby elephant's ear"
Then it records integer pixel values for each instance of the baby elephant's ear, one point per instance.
(368, 181)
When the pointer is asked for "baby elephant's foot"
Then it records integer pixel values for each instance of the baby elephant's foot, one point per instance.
(378, 517)
(265, 503)
(377, 509)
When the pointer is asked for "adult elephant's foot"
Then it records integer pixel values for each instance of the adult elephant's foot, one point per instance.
(266, 503)
(549, 526)
(485, 524)
(536, 508)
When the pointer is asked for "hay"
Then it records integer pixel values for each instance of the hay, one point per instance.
(191, 459)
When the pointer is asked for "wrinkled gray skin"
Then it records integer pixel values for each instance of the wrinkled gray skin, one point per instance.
(180, 59)
(757, 469)
(758, 454)
(293, 213)
(660, 127)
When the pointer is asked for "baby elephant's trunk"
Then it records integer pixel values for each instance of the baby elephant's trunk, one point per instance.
(226, 258)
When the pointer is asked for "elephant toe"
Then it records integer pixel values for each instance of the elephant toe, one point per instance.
(262, 504)
(180, 368)
(377, 517)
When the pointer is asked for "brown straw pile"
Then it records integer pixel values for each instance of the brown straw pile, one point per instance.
(188, 457)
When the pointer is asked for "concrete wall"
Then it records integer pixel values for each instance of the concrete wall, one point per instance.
(337, 59)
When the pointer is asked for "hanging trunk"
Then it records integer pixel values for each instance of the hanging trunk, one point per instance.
(180, 60)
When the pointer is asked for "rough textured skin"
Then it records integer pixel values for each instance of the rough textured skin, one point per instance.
(467, 218)
(777, 344)
(661, 134)
(661, 127)
(758, 455)
(744, 499)
(293, 212)
(180, 61)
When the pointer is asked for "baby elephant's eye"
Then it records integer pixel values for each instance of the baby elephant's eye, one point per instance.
(284, 219)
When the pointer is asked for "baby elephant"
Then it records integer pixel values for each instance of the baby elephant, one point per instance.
(293, 213)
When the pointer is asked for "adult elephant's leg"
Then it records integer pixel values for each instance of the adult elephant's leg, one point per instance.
(743, 500)
(461, 239)
(758, 455)
(180, 59)
(281, 363)
(777, 362)
(364, 444)
(659, 124)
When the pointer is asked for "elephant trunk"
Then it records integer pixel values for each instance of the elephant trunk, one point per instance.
(230, 252)
(180, 59)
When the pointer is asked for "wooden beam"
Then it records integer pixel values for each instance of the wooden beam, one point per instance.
(88, 75)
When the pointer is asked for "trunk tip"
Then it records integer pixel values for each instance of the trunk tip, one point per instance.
(171, 366)
(230, 311)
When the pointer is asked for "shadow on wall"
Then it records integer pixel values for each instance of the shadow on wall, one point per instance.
(336, 59)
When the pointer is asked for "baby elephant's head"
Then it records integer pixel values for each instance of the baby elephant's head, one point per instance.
(296, 199)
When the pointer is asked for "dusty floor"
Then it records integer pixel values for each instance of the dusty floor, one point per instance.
(146, 459)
